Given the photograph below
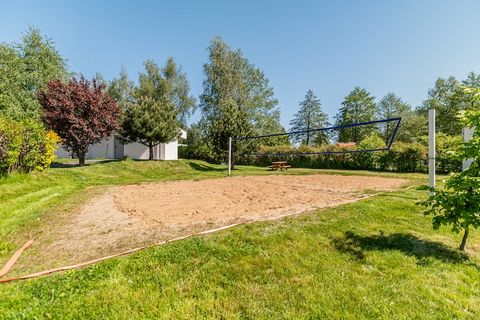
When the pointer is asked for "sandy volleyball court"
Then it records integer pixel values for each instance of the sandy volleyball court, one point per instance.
(218, 201)
(124, 217)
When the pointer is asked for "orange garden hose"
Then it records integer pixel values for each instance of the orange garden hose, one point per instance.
(14, 258)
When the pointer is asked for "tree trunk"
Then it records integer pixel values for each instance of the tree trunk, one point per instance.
(464, 239)
(81, 159)
(150, 151)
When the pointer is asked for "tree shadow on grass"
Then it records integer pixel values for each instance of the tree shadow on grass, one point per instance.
(74, 163)
(202, 167)
(392, 195)
(423, 250)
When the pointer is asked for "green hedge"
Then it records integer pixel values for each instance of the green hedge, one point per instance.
(402, 157)
(25, 146)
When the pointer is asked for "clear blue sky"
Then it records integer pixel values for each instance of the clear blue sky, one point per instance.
(330, 47)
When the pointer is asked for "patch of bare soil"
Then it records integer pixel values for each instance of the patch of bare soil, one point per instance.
(129, 216)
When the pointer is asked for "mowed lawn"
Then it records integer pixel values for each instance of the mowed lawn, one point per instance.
(374, 259)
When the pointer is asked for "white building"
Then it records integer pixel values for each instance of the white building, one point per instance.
(113, 148)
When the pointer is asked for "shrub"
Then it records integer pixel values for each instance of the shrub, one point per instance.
(402, 157)
(10, 144)
(25, 146)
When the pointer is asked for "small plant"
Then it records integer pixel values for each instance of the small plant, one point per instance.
(458, 202)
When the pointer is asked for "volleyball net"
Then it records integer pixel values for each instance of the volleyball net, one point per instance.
(363, 137)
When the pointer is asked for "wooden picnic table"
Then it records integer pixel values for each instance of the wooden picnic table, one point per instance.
(279, 165)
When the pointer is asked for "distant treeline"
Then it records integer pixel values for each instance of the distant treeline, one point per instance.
(39, 94)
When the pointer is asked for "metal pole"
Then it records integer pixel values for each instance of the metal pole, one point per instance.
(230, 156)
(431, 148)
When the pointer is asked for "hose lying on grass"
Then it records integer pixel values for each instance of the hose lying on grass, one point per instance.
(14, 258)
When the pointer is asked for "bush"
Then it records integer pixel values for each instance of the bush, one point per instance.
(402, 157)
(11, 140)
(25, 146)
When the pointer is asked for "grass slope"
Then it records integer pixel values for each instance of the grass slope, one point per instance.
(374, 259)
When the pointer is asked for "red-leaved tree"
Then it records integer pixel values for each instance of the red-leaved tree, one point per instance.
(80, 112)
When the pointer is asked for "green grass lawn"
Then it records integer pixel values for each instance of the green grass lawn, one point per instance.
(373, 259)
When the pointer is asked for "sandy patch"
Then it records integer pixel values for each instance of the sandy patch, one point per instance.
(129, 216)
(220, 201)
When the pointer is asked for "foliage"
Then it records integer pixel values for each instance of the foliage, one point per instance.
(127, 92)
(48, 152)
(184, 103)
(402, 157)
(122, 89)
(458, 202)
(310, 116)
(25, 146)
(25, 68)
(150, 122)
(237, 99)
(391, 106)
(358, 106)
(412, 127)
(80, 112)
(196, 146)
(151, 111)
(10, 144)
(448, 98)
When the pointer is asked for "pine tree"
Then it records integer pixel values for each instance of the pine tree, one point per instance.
(358, 106)
(151, 114)
(310, 116)
(150, 122)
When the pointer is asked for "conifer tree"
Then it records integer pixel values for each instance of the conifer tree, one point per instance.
(310, 116)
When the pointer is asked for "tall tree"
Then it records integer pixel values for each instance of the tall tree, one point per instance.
(237, 99)
(122, 89)
(184, 103)
(391, 106)
(358, 106)
(444, 98)
(25, 68)
(151, 113)
(472, 81)
(80, 112)
(310, 116)
(448, 98)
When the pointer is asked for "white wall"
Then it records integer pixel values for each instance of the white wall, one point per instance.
(61, 153)
(169, 151)
(136, 151)
(106, 149)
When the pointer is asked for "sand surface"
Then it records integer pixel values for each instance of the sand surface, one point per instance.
(182, 203)
(125, 217)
